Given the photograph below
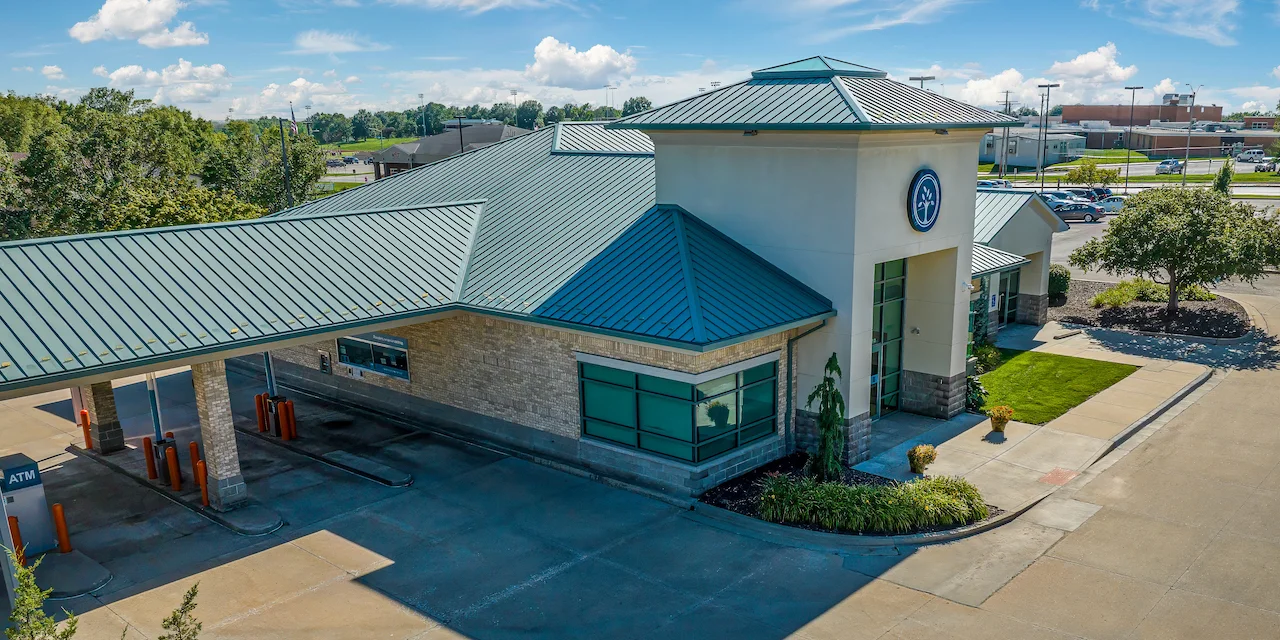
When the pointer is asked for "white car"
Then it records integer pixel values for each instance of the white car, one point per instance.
(1168, 166)
(1252, 155)
(1112, 204)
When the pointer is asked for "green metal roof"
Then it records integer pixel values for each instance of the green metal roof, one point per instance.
(816, 94)
(994, 209)
(572, 240)
(987, 260)
(586, 137)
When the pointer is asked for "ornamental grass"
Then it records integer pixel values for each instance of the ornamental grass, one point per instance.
(888, 509)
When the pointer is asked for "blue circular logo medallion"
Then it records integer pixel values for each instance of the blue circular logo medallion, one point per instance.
(924, 200)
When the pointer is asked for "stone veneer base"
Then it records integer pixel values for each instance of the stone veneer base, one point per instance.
(933, 395)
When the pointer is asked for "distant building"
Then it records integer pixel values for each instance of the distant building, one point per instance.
(1023, 145)
(475, 134)
(1211, 140)
(1143, 114)
(1260, 123)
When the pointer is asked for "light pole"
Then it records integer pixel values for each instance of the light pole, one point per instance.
(1128, 137)
(308, 108)
(1043, 146)
(422, 101)
(921, 79)
(1191, 121)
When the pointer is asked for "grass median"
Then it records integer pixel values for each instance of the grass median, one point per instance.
(1042, 386)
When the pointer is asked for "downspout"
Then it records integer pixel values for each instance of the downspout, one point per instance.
(790, 433)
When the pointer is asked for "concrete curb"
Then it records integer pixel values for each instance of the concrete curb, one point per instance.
(71, 575)
(1155, 413)
(382, 479)
(209, 514)
(843, 542)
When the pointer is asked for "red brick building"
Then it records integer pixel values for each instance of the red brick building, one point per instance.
(1256, 123)
(1118, 114)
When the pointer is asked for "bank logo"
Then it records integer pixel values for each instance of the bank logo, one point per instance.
(924, 200)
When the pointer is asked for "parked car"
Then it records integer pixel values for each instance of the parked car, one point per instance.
(1100, 192)
(1083, 194)
(1080, 211)
(1168, 166)
(1252, 155)
(1053, 202)
(1267, 165)
(1112, 204)
(349, 159)
(1066, 195)
(995, 183)
(368, 160)
(334, 162)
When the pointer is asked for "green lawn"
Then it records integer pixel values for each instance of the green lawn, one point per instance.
(365, 145)
(1043, 386)
(1195, 178)
(1105, 156)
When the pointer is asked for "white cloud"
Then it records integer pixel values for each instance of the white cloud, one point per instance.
(559, 64)
(1255, 105)
(352, 79)
(827, 20)
(332, 73)
(1212, 21)
(179, 83)
(143, 20)
(479, 6)
(1164, 86)
(23, 69)
(275, 98)
(1276, 72)
(316, 41)
(1095, 66)
(52, 72)
(101, 71)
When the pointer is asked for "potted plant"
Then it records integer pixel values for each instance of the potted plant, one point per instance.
(921, 456)
(1000, 417)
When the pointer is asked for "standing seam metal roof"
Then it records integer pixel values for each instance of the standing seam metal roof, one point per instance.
(573, 137)
(994, 209)
(988, 260)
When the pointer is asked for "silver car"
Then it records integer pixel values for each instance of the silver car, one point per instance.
(1112, 204)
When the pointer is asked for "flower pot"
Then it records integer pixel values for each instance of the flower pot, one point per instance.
(998, 425)
(917, 468)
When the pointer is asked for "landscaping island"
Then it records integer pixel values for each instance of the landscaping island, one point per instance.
(1220, 317)
(860, 504)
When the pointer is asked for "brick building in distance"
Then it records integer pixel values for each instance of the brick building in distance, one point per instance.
(1143, 114)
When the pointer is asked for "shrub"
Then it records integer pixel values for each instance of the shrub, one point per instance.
(1059, 280)
(975, 394)
(893, 509)
(988, 357)
(828, 465)
(921, 456)
(1000, 417)
(1144, 290)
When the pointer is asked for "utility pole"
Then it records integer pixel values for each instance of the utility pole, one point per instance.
(462, 147)
(1004, 138)
(1191, 123)
(284, 160)
(1128, 137)
(1044, 146)
(515, 106)
(921, 79)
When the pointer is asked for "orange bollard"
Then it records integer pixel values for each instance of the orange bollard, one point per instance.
(60, 525)
(18, 550)
(84, 425)
(293, 421)
(168, 435)
(175, 476)
(152, 474)
(202, 476)
(260, 401)
(194, 449)
(286, 427)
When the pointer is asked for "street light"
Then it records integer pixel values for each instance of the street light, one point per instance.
(422, 101)
(921, 79)
(1191, 121)
(1043, 147)
(1128, 137)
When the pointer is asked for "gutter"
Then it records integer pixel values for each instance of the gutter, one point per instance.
(789, 434)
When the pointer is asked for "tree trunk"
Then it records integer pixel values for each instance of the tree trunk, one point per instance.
(1172, 309)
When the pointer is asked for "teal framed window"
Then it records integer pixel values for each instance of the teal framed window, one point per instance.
(376, 352)
(887, 312)
(691, 422)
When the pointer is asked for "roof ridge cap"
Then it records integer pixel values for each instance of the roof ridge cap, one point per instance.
(690, 280)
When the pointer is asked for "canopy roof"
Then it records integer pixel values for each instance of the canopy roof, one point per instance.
(988, 260)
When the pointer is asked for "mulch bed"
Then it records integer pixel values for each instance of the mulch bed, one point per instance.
(1219, 318)
(742, 494)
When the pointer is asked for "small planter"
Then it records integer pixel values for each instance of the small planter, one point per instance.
(1000, 417)
(921, 456)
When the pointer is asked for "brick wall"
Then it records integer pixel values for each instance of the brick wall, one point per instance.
(933, 395)
(1033, 309)
(517, 373)
(222, 460)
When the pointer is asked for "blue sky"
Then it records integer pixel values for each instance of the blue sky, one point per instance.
(341, 55)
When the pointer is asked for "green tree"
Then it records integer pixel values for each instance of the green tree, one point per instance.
(553, 115)
(21, 117)
(163, 203)
(1184, 237)
(1026, 111)
(1089, 174)
(502, 111)
(1056, 110)
(636, 105)
(365, 125)
(182, 623)
(28, 621)
(1222, 181)
(827, 465)
(111, 101)
(529, 114)
(306, 166)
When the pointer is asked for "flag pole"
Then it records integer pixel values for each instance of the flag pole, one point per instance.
(284, 160)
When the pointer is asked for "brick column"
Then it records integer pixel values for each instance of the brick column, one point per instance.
(1033, 309)
(99, 399)
(932, 395)
(857, 436)
(222, 460)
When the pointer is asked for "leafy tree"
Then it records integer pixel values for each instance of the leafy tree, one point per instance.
(306, 166)
(1026, 111)
(112, 101)
(182, 623)
(828, 466)
(605, 113)
(553, 115)
(1222, 181)
(28, 621)
(1185, 237)
(1089, 174)
(365, 125)
(1056, 110)
(529, 114)
(636, 105)
(22, 116)
(503, 112)
(163, 203)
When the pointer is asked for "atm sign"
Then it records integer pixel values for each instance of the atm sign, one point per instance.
(21, 477)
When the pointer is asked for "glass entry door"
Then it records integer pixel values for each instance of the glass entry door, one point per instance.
(886, 336)
(1007, 310)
